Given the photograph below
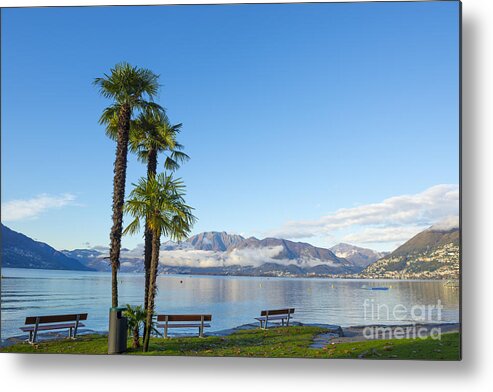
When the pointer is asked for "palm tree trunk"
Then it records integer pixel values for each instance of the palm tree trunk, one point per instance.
(136, 342)
(120, 171)
(152, 288)
(151, 171)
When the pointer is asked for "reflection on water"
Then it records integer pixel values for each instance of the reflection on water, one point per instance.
(231, 300)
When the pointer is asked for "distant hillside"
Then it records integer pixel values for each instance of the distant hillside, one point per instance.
(97, 258)
(361, 257)
(427, 240)
(91, 258)
(431, 254)
(20, 251)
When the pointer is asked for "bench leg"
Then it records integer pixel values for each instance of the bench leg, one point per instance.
(76, 328)
(282, 322)
(166, 332)
(261, 324)
(30, 340)
(70, 333)
(201, 332)
(35, 335)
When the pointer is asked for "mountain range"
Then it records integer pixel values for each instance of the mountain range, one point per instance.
(232, 254)
(430, 254)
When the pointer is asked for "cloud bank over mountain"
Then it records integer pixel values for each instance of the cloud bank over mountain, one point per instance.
(449, 223)
(220, 251)
(197, 258)
(394, 219)
(207, 258)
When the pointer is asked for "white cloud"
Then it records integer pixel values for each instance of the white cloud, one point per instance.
(394, 219)
(383, 234)
(204, 258)
(449, 223)
(15, 210)
(253, 257)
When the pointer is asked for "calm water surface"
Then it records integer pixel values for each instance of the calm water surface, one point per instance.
(232, 301)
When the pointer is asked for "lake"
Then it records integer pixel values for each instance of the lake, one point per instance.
(231, 300)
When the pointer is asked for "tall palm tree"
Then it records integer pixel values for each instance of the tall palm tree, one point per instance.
(159, 201)
(131, 89)
(151, 134)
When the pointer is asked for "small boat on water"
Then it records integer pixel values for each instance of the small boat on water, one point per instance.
(381, 288)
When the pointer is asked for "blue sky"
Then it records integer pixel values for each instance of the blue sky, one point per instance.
(316, 122)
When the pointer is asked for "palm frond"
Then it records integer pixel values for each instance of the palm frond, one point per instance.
(129, 85)
(152, 131)
(170, 164)
(179, 156)
(160, 201)
(133, 227)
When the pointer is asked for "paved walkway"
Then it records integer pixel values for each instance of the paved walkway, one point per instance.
(377, 332)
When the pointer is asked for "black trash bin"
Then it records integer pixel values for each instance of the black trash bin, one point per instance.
(117, 333)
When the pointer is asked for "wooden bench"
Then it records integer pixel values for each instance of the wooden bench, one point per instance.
(184, 321)
(48, 323)
(275, 314)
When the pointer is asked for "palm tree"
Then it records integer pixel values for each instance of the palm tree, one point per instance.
(158, 201)
(136, 316)
(150, 134)
(131, 89)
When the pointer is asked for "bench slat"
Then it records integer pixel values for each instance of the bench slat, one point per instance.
(50, 327)
(272, 318)
(277, 311)
(184, 317)
(60, 318)
(182, 325)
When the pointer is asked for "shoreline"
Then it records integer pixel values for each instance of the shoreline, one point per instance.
(322, 277)
(334, 333)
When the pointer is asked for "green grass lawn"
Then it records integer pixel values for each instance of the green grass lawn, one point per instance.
(283, 342)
